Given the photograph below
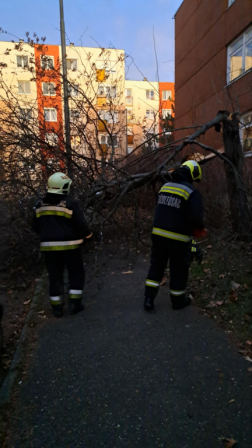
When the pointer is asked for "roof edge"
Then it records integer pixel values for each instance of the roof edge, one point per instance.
(179, 8)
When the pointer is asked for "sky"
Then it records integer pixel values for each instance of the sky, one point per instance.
(123, 24)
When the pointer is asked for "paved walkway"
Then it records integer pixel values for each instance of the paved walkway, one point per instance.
(115, 376)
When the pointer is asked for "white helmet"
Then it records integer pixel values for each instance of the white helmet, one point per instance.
(59, 183)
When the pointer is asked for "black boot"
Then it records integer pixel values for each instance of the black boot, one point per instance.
(178, 304)
(148, 303)
(75, 306)
(57, 310)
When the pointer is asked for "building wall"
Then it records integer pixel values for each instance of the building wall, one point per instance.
(138, 122)
(203, 31)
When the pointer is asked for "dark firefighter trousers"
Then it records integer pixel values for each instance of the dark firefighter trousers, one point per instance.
(164, 249)
(56, 261)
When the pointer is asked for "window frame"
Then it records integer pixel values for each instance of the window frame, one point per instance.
(229, 54)
(153, 112)
(25, 118)
(167, 113)
(22, 65)
(244, 126)
(71, 60)
(107, 86)
(167, 97)
(73, 88)
(47, 58)
(24, 81)
(71, 117)
(148, 97)
(110, 120)
(48, 94)
(107, 136)
(50, 109)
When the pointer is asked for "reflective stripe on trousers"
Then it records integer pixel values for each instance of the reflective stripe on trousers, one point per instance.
(75, 294)
(176, 293)
(56, 300)
(60, 245)
(151, 283)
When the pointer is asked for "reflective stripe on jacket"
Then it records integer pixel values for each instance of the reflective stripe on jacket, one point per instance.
(179, 210)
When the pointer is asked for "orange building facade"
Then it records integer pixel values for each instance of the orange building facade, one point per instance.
(167, 102)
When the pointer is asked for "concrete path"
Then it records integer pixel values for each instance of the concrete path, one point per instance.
(115, 376)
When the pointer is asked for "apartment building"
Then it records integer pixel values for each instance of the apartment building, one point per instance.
(105, 109)
(213, 65)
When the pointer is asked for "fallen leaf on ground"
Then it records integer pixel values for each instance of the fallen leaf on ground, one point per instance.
(42, 317)
(250, 369)
(209, 247)
(222, 276)
(229, 443)
(233, 297)
(112, 273)
(248, 359)
(234, 286)
(26, 302)
(127, 272)
(231, 401)
(219, 302)
(207, 270)
(41, 312)
(163, 282)
(211, 304)
(249, 342)
(245, 286)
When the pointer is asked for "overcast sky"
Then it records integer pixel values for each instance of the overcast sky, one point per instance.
(124, 24)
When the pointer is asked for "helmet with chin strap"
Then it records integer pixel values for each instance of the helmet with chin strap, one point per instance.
(59, 183)
(194, 169)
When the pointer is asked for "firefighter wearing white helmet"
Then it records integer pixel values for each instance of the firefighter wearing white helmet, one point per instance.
(62, 228)
(179, 213)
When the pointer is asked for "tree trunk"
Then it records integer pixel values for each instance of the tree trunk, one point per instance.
(239, 206)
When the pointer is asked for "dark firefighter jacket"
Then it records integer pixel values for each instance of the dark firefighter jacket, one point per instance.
(179, 208)
(59, 222)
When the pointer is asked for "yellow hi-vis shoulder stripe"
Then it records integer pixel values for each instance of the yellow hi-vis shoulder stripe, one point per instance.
(171, 235)
(177, 191)
(54, 210)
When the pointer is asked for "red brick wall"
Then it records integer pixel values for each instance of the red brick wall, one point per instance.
(203, 29)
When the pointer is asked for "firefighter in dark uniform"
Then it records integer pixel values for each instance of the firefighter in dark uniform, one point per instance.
(178, 213)
(62, 228)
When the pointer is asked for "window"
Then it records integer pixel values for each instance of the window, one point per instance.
(230, 2)
(240, 56)
(26, 140)
(51, 139)
(166, 113)
(246, 132)
(106, 140)
(72, 64)
(50, 114)
(24, 87)
(108, 91)
(109, 66)
(22, 61)
(26, 114)
(73, 90)
(48, 88)
(166, 95)
(74, 114)
(150, 94)
(47, 62)
(109, 116)
(150, 115)
(128, 95)
(130, 149)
